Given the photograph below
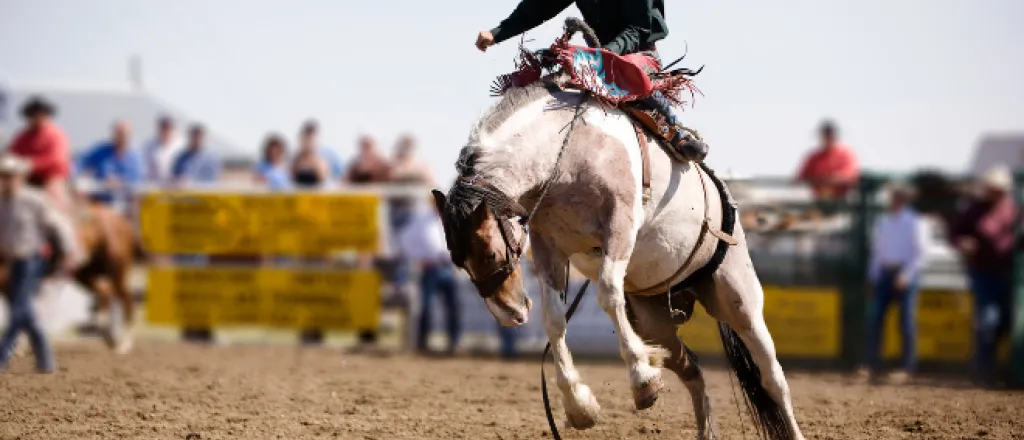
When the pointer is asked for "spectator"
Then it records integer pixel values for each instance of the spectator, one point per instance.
(405, 168)
(44, 144)
(27, 218)
(309, 168)
(272, 170)
(115, 165)
(421, 241)
(984, 236)
(196, 165)
(832, 169)
(160, 151)
(309, 138)
(897, 256)
(369, 166)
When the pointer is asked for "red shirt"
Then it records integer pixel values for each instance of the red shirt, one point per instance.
(47, 148)
(830, 171)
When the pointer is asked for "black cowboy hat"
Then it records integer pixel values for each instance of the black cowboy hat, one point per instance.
(37, 105)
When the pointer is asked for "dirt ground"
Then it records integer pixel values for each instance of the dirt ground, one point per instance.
(174, 391)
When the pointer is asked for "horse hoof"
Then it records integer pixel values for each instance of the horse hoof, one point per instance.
(645, 396)
(581, 421)
(587, 409)
(124, 346)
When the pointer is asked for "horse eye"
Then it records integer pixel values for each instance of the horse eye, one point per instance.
(491, 257)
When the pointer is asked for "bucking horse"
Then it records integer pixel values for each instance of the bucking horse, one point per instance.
(555, 165)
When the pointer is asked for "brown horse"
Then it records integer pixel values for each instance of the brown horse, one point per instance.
(108, 239)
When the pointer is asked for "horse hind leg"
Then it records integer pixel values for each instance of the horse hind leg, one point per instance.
(737, 303)
(651, 317)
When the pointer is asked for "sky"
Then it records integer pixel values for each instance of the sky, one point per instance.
(911, 83)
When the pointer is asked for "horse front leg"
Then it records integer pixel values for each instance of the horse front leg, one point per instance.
(643, 361)
(581, 407)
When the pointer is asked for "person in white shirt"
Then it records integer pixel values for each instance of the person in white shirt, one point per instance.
(897, 256)
(159, 153)
(421, 241)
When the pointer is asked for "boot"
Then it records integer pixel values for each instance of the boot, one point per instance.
(657, 115)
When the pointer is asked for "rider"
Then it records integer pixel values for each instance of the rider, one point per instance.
(625, 27)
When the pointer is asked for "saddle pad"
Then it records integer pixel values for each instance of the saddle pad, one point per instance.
(609, 76)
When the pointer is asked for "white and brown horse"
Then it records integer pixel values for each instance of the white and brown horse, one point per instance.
(589, 208)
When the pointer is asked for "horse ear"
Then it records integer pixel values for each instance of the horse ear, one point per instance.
(439, 200)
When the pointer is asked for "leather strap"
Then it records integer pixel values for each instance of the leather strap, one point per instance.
(705, 228)
(645, 157)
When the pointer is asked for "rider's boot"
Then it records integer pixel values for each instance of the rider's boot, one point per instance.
(684, 142)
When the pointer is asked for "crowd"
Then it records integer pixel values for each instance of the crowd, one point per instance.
(982, 232)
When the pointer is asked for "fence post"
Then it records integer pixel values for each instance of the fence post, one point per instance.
(1017, 312)
(854, 283)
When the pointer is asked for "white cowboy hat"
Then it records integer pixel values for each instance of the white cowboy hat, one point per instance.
(998, 177)
(11, 164)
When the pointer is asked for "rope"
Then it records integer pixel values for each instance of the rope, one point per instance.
(558, 160)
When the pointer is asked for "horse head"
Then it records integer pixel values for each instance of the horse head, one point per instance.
(485, 241)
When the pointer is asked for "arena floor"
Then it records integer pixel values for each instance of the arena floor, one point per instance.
(173, 391)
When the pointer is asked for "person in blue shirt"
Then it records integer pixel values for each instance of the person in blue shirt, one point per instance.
(115, 165)
(272, 171)
(309, 136)
(195, 165)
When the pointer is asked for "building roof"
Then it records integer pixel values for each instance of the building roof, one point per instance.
(999, 149)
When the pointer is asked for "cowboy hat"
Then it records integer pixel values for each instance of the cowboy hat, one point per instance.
(998, 177)
(11, 164)
(37, 105)
(900, 188)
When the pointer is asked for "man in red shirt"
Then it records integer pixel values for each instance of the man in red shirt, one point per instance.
(44, 144)
(832, 169)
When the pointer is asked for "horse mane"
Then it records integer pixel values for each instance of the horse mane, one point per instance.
(466, 194)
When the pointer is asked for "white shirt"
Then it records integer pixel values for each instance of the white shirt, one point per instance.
(899, 239)
(159, 160)
(422, 239)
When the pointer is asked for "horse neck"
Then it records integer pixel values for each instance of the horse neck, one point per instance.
(521, 155)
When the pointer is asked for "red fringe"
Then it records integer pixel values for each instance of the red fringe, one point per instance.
(675, 88)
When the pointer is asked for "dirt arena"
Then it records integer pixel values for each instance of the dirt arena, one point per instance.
(174, 391)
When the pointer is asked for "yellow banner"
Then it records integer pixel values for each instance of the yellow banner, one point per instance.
(804, 322)
(944, 332)
(259, 224)
(274, 297)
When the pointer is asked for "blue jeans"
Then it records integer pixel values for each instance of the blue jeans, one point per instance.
(886, 293)
(439, 279)
(26, 274)
(992, 294)
(508, 336)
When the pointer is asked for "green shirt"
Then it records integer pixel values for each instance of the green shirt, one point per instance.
(623, 26)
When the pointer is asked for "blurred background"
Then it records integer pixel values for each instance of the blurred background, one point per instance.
(816, 112)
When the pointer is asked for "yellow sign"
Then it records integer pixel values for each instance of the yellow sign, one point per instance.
(944, 332)
(274, 297)
(804, 322)
(259, 224)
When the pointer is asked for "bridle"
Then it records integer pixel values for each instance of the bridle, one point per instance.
(487, 285)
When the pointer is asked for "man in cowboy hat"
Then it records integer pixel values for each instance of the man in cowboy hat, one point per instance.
(26, 216)
(44, 144)
(984, 234)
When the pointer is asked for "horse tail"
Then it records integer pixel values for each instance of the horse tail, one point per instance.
(767, 414)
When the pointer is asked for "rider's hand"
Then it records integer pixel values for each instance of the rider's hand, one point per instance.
(484, 40)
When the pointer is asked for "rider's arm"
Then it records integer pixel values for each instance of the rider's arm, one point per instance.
(637, 14)
(528, 15)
